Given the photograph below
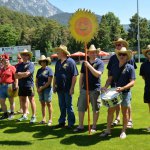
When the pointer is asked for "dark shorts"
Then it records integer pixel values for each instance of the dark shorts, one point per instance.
(26, 91)
(147, 95)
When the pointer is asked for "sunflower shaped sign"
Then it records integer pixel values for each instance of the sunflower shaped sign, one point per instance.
(83, 25)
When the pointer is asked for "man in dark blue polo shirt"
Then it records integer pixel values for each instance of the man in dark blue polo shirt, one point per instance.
(123, 75)
(113, 60)
(95, 69)
(145, 73)
(24, 73)
(64, 81)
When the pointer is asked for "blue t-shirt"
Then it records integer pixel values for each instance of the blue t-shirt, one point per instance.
(145, 72)
(28, 81)
(113, 60)
(93, 82)
(43, 75)
(64, 73)
(122, 75)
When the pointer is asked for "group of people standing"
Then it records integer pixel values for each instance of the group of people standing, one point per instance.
(121, 75)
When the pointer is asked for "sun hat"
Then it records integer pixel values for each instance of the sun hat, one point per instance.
(146, 50)
(43, 58)
(124, 50)
(62, 48)
(120, 40)
(92, 48)
(25, 51)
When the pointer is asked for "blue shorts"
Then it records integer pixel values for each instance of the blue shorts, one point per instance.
(126, 99)
(4, 91)
(46, 95)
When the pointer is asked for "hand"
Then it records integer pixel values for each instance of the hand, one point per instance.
(104, 89)
(54, 89)
(119, 89)
(86, 63)
(71, 92)
(39, 90)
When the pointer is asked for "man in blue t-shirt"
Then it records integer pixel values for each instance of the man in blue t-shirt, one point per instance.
(113, 60)
(123, 75)
(24, 74)
(145, 73)
(95, 69)
(64, 81)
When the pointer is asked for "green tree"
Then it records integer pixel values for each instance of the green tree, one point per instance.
(109, 30)
(133, 31)
(8, 35)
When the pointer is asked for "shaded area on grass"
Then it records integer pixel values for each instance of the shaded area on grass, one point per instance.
(15, 143)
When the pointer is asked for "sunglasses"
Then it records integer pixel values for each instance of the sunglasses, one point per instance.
(25, 55)
(118, 45)
(148, 53)
(122, 54)
(18, 58)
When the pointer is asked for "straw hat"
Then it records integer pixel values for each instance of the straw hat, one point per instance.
(25, 51)
(43, 58)
(124, 42)
(146, 50)
(92, 49)
(62, 48)
(124, 51)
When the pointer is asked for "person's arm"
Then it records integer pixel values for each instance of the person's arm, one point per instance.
(74, 79)
(81, 81)
(54, 85)
(48, 83)
(95, 72)
(127, 86)
(108, 83)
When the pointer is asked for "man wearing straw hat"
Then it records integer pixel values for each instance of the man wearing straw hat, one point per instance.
(95, 69)
(24, 73)
(119, 43)
(145, 73)
(123, 75)
(64, 81)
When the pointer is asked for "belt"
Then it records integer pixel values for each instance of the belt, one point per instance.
(5, 83)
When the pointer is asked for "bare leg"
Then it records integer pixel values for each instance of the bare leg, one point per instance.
(110, 116)
(43, 108)
(24, 104)
(81, 119)
(125, 117)
(3, 104)
(33, 105)
(118, 107)
(50, 109)
(12, 104)
(95, 118)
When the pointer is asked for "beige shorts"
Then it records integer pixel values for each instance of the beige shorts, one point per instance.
(93, 98)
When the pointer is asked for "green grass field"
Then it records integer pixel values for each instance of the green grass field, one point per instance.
(22, 135)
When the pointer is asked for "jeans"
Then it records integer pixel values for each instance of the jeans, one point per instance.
(65, 105)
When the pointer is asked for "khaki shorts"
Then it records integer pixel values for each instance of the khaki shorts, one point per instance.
(82, 101)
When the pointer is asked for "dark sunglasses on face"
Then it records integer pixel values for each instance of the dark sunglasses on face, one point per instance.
(25, 55)
(122, 54)
(118, 45)
(18, 58)
(148, 53)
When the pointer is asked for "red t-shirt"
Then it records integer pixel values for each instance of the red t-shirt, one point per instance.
(7, 75)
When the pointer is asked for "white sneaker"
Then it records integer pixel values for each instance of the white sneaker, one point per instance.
(123, 135)
(49, 123)
(130, 124)
(148, 129)
(33, 119)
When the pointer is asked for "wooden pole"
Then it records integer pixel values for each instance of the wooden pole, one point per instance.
(87, 90)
